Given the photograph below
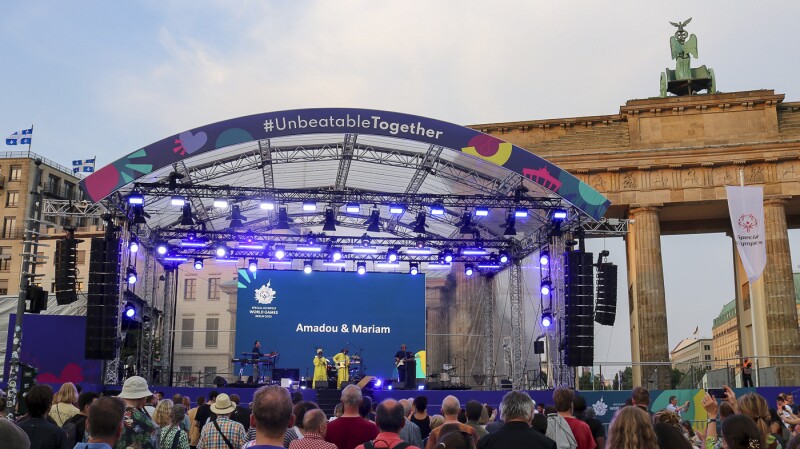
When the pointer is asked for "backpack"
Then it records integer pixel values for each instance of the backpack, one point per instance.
(558, 430)
(71, 428)
(371, 445)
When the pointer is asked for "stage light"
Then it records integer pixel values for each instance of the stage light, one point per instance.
(267, 205)
(280, 253)
(198, 264)
(547, 319)
(186, 215)
(420, 387)
(308, 267)
(419, 223)
(521, 212)
(374, 221)
(220, 203)
(283, 218)
(469, 270)
(353, 208)
(391, 255)
(448, 256)
(546, 287)
(178, 200)
(365, 250)
(559, 215)
(309, 206)
(511, 225)
(236, 217)
(131, 275)
(133, 244)
(378, 383)
(366, 240)
(308, 248)
(413, 269)
(503, 257)
(193, 244)
(481, 211)
(396, 209)
(419, 251)
(437, 209)
(474, 252)
(465, 225)
(161, 248)
(135, 198)
(330, 263)
(130, 310)
(389, 388)
(336, 254)
(253, 265)
(361, 267)
(173, 258)
(330, 220)
(139, 215)
(222, 250)
(544, 258)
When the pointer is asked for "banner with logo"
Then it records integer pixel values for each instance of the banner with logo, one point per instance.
(294, 313)
(746, 207)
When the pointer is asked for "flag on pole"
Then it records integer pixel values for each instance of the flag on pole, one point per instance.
(746, 207)
(83, 166)
(20, 137)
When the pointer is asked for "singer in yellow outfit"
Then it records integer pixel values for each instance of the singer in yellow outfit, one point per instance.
(342, 361)
(320, 368)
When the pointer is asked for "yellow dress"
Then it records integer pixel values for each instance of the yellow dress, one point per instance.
(320, 370)
(342, 368)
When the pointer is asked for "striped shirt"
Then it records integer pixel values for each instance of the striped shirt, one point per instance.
(211, 438)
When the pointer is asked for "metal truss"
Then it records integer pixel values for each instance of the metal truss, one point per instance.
(517, 320)
(606, 227)
(68, 208)
(488, 306)
(146, 336)
(167, 325)
(344, 162)
(431, 156)
(265, 153)
(199, 209)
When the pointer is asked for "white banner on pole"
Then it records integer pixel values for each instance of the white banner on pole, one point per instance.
(746, 207)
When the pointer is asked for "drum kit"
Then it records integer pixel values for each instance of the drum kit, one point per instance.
(447, 377)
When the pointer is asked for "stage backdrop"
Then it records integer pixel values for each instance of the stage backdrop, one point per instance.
(295, 313)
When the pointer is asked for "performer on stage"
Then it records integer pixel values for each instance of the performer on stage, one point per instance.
(320, 368)
(256, 354)
(406, 367)
(257, 350)
(342, 361)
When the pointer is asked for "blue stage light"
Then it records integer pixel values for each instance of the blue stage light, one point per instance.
(547, 319)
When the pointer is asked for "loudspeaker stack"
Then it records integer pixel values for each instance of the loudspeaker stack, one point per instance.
(579, 310)
(102, 309)
(66, 265)
(606, 310)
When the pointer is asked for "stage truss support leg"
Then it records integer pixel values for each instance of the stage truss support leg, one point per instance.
(168, 324)
(113, 366)
(517, 320)
(145, 359)
(488, 332)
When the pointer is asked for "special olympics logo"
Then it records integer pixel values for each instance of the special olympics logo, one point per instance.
(265, 294)
(748, 222)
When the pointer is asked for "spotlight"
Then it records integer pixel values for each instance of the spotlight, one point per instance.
(378, 383)
(133, 244)
(139, 215)
(330, 220)
(366, 240)
(544, 258)
(503, 257)
(283, 218)
(413, 269)
(280, 253)
(521, 212)
(173, 180)
(374, 221)
(361, 267)
(267, 205)
(420, 387)
(222, 250)
(391, 255)
(510, 226)
(396, 209)
(547, 319)
(236, 217)
(559, 214)
(309, 206)
(481, 211)
(178, 200)
(389, 388)
(131, 275)
(419, 223)
(307, 267)
(136, 198)
(437, 209)
(253, 265)
(353, 208)
(336, 254)
(186, 215)
(198, 264)
(220, 203)
(130, 310)
(466, 224)
(448, 255)
(469, 270)
(546, 287)
(161, 249)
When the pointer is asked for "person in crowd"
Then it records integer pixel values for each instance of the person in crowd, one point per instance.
(172, 435)
(450, 410)
(194, 430)
(539, 423)
(516, 410)
(436, 421)
(204, 411)
(365, 409)
(737, 431)
(540, 408)
(631, 428)
(410, 432)
(390, 418)
(690, 434)
(12, 436)
(563, 398)
(150, 405)
(455, 440)
(177, 399)
(104, 423)
(42, 433)
(640, 397)
(462, 416)
(187, 422)
(298, 431)
(64, 404)
(163, 414)
(320, 368)
(242, 413)
(675, 408)
(297, 397)
(790, 402)
(420, 416)
(755, 407)
(473, 411)
(597, 428)
(272, 415)
(315, 425)
(351, 429)
(221, 432)
(337, 411)
(670, 437)
(79, 421)
(747, 373)
(139, 430)
(487, 415)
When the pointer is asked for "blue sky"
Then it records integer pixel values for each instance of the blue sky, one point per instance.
(99, 78)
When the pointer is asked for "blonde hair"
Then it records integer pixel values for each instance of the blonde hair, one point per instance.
(67, 394)
(436, 421)
(632, 428)
(755, 407)
(163, 413)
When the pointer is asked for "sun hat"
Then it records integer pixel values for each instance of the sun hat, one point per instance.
(135, 387)
(223, 405)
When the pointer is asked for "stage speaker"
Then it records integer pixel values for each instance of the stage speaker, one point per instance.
(538, 347)
(435, 385)
(363, 382)
(102, 305)
(27, 375)
(37, 299)
(579, 309)
(321, 384)
(66, 270)
(606, 310)
(220, 382)
(286, 373)
(505, 384)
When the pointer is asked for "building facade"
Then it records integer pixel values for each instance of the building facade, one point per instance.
(692, 352)
(725, 342)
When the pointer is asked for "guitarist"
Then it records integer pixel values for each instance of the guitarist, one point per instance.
(342, 361)
(406, 367)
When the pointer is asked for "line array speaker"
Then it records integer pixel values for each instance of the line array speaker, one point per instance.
(66, 267)
(606, 310)
(579, 308)
(102, 310)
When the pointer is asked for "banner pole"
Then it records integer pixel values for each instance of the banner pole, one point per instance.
(752, 309)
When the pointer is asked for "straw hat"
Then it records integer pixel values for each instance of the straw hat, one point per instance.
(135, 387)
(223, 405)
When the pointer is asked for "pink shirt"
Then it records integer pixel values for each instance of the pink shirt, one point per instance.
(390, 438)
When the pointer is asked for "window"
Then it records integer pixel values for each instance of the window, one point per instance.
(187, 333)
(190, 289)
(81, 257)
(9, 227)
(213, 288)
(69, 190)
(5, 258)
(3, 286)
(53, 184)
(212, 334)
(16, 173)
(707, 347)
(708, 357)
(209, 373)
(12, 199)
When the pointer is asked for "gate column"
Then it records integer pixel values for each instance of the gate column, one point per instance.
(648, 310)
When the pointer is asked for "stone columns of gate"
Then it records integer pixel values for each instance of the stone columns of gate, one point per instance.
(649, 342)
(779, 295)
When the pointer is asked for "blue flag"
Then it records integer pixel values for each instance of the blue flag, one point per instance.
(83, 165)
(20, 137)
